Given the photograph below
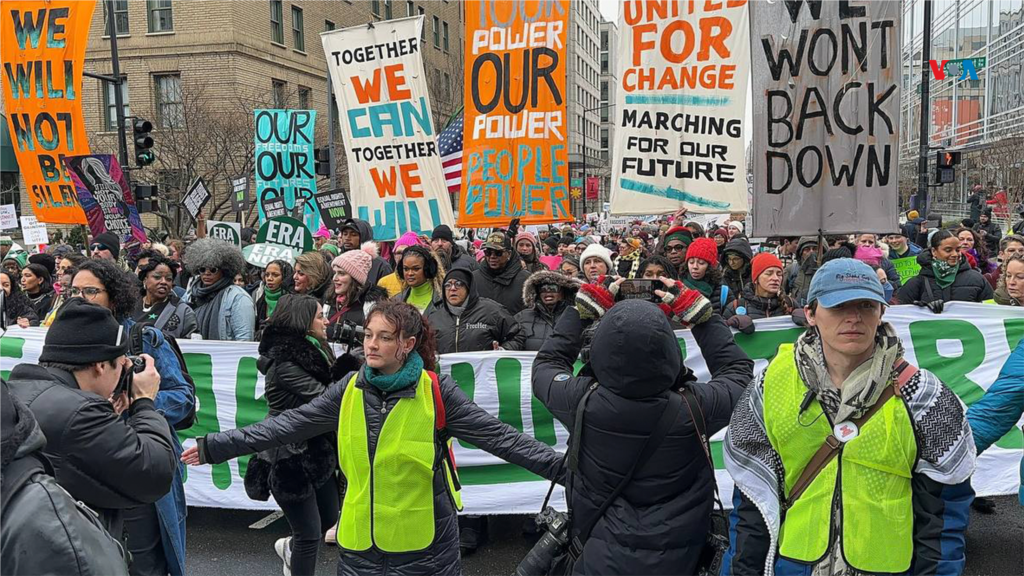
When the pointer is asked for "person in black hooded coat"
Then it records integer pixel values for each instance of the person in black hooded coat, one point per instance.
(924, 289)
(540, 315)
(363, 234)
(659, 523)
(297, 364)
(474, 325)
(736, 278)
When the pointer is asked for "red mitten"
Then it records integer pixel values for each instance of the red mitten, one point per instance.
(593, 300)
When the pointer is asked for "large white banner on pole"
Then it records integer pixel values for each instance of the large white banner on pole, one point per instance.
(965, 347)
(396, 180)
(679, 108)
(826, 85)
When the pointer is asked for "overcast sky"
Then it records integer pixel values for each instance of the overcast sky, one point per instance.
(610, 11)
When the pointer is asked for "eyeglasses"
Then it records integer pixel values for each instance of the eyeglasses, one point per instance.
(205, 270)
(87, 292)
(493, 252)
(454, 285)
(675, 248)
(549, 288)
(95, 247)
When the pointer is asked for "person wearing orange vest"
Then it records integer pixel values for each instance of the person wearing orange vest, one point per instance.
(394, 419)
(846, 459)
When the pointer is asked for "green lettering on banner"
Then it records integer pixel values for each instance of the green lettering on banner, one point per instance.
(543, 422)
(200, 367)
(509, 374)
(248, 408)
(10, 348)
(907, 268)
(463, 375)
(925, 334)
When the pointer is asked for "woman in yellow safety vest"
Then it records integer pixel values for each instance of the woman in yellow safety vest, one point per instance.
(399, 511)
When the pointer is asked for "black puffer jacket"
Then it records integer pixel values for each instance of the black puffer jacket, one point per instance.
(462, 260)
(757, 307)
(466, 421)
(481, 323)
(42, 529)
(296, 373)
(968, 286)
(108, 462)
(659, 523)
(536, 321)
(504, 287)
(736, 279)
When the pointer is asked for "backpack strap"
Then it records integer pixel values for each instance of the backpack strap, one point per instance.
(441, 429)
(135, 339)
(167, 312)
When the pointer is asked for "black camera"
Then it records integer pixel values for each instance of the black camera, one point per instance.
(124, 383)
(553, 543)
(346, 332)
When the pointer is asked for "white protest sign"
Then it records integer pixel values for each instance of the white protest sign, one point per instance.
(196, 197)
(8, 217)
(396, 181)
(230, 232)
(679, 107)
(34, 231)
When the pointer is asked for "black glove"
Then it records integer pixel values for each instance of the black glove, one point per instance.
(936, 306)
(741, 322)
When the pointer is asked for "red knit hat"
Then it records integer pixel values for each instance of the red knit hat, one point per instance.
(705, 249)
(762, 262)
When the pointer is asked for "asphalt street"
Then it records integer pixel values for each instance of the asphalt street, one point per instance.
(220, 543)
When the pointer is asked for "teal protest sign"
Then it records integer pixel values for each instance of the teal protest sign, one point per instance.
(285, 170)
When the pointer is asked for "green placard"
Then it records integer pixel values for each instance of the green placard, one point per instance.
(907, 268)
(286, 231)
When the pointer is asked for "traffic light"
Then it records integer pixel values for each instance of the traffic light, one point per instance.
(322, 157)
(141, 129)
(145, 198)
(945, 162)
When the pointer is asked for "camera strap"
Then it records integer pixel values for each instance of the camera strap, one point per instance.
(669, 413)
(702, 435)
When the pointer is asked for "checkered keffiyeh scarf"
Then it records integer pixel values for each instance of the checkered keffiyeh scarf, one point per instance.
(862, 388)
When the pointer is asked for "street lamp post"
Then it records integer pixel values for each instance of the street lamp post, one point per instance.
(922, 161)
(585, 110)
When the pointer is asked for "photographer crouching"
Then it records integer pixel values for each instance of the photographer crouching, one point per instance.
(641, 488)
(77, 393)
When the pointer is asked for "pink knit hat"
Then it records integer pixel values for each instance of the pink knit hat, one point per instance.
(322, 232)
(524, 235)
(408, 239)
(356, 263)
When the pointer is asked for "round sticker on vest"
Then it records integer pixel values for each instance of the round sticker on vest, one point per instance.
(845, 431)
(741, 310)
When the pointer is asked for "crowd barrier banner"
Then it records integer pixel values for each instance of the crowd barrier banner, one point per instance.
(965, 346)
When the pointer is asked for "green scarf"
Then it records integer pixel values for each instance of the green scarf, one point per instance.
(702, 286)
(271, 297)
(319, 347)
(407, 376)
(945, 273)
(421, 296)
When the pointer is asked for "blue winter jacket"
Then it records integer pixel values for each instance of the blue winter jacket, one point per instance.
(1001, 407)
(174, 400)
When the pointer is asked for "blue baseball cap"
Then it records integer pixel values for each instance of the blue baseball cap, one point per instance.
(844, 279)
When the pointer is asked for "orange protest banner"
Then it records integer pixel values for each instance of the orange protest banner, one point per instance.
(43, 53)
(515, 136)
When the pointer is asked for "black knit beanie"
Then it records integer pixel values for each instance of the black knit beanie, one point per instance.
(836, 253)
(109, 241)
(84, 333)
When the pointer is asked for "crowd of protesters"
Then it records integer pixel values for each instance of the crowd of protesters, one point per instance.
(395, 306)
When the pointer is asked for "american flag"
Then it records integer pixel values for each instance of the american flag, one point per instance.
(449, 146)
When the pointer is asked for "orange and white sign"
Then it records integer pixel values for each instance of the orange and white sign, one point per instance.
(515, 136)
(43, 54)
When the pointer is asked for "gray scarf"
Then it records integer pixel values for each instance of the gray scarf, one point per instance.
(206, 300)
(862, 388)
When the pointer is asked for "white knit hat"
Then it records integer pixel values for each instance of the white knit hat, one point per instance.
(596, 250)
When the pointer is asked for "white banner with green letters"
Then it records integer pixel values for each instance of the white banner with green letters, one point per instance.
(965, 346)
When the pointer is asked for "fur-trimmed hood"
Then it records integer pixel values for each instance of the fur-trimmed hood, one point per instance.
(568, 285)
(277, 345)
